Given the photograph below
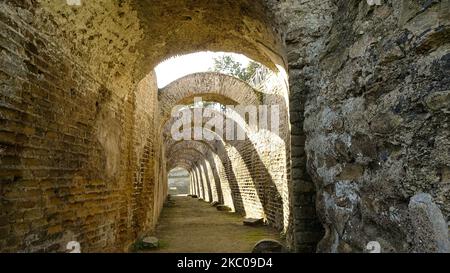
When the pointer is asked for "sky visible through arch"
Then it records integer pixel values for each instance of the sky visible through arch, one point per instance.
(180, 66)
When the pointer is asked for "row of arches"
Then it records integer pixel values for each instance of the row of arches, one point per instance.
(249, 175)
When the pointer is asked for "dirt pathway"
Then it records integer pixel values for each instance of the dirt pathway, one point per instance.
(190, 225)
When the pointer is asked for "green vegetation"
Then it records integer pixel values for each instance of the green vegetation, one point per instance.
(228, 65)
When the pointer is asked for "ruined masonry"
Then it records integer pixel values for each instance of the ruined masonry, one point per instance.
(362, 154)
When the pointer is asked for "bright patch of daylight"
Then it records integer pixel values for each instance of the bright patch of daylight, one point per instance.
(180, 66)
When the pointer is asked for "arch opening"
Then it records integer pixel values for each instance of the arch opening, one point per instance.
(178, 67)
(250, 184)
(178, 179)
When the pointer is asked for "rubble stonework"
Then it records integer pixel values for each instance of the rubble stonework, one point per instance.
(363, 153)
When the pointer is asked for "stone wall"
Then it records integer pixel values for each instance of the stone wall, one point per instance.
(376, 120)
(304, 26)
(369, 99)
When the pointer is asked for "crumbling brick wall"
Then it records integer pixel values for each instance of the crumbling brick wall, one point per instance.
(67, 142)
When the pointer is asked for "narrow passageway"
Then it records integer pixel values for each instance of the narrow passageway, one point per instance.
(326, 119)
(191, 225)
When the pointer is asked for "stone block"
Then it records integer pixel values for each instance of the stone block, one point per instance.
(223, 208)
(253, 222)
(149, 243)
(438, 100)
(429, 228)
(269, 246)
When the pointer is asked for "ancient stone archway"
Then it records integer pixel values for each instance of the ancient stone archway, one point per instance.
(212, 86)
(213, 163)
(107, 51)
(248, 185)
(130, 38)
(81, 140)
(179, 181)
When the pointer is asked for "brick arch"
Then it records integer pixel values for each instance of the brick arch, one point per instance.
(200, 146)
(135, 33)
(197, 162)
(221, 174)
(104, 70)
(166, 126)
(192, 31)
(204, 153)
(210, 86)
(169, 142)
(190, 154)
(183, 164)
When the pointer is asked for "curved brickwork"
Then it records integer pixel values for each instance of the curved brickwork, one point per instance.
(209, 86)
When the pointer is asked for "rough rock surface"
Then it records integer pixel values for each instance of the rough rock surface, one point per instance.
(223, 208)
(430, 230)
(268, 246)
(369, 93)
(377, 120)
(253, 222)
(150, 243)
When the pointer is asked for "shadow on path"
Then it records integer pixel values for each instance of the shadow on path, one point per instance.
(192, 226)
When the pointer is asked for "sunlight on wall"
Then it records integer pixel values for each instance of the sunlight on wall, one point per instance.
(253, 207)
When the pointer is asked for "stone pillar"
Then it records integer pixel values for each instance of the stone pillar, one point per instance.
(197, 192)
